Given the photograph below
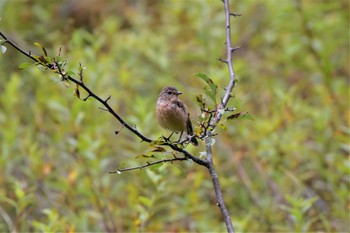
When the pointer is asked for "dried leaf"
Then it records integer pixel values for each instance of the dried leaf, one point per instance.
(76, 91)
(240, 115)
(159, 149)
(42, 59)
(59, 51)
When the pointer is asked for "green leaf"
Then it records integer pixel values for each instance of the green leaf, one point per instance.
(210, 94)
(3, 49)
(81, 68)
(199, 98)
(48, 59)
(146, 201)
(157, 142)
(222, 126)
(41, 47)
(155, 167)
(212, 90)
(62, 63)
(24, 65)
(201, 101)
(70, 73)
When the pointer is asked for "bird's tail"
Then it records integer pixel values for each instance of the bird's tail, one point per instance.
(190, 131)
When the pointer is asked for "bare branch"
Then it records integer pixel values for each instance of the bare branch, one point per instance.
(228, 61)
(148, 164)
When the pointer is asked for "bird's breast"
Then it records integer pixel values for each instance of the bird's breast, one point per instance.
(170, 116)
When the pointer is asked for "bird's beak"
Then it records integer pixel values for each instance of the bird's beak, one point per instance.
(178, 93)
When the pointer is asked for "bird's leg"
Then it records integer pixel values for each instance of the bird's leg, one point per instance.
(180, 136)
(167, 139)
(179, 140)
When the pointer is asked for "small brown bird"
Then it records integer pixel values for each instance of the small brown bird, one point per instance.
(172, 113)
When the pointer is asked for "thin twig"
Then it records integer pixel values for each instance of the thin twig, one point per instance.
(148, 164)
(228, 61)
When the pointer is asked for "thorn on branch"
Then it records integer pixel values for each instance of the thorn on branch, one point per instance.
(104, 109)
(81, 72)
(108, 98)
(235, 48)
(59, 51)
(208, 111)
(148, 164)
(222, 60)
(235, 14)
(230, 109)
(87, 97)
(118, 131)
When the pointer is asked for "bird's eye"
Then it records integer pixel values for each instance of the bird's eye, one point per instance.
(169, 93)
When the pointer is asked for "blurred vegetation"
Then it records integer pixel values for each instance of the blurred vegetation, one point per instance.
(288, 170)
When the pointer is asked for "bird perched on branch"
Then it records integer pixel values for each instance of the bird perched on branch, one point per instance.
(172, 113)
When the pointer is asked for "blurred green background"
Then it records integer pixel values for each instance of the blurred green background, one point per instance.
(288, 170)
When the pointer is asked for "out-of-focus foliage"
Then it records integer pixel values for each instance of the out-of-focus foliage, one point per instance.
(288, 170)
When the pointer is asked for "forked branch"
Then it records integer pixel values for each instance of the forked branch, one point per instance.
(55, 67)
